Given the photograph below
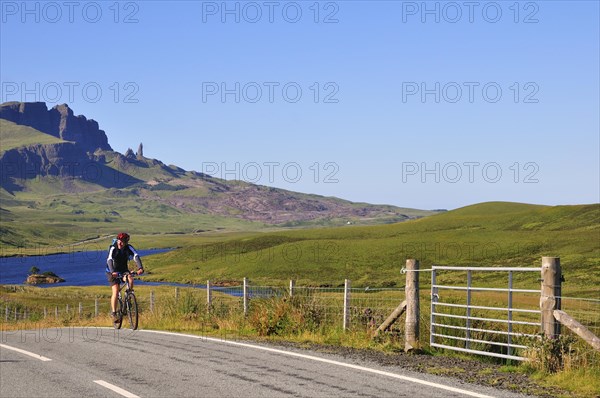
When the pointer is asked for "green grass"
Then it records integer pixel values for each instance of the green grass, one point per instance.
(489, 234)
(14, 136)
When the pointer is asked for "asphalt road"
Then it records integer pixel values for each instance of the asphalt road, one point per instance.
(101, 362)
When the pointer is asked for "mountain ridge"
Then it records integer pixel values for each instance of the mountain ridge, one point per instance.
(59, 121)
(81, 179)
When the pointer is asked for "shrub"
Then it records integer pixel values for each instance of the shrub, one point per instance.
(550, 355)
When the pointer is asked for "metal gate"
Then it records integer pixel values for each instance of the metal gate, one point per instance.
(490, 321)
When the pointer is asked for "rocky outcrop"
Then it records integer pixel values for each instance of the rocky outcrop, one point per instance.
(43, 160)
(66, 161)
(33, 114)
(82, 157)
(59, 122)
(85, 163)
(39, 279)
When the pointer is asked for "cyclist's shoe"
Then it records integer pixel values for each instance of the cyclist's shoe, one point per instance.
(114, 316)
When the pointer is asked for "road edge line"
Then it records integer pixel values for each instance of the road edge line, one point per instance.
(116, 389)
(31, 354)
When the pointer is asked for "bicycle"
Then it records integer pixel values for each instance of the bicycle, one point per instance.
(126, 306)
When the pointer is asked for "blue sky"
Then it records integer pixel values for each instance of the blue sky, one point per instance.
(416, 104)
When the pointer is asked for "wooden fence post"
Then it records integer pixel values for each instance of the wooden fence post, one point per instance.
(292, 286)
(411, 335)
(397, 313)
(208, 296)
(578, 328)
(550, 295)
(96, 307)
(245, 293)
(346, 321)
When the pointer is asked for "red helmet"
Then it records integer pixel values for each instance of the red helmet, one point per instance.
(123, 236)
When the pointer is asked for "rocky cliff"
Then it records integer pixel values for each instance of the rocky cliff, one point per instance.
(82, 157)
(59, 121)
(84, 163)
(66, 161)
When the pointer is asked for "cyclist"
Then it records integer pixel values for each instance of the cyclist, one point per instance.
(116, 263)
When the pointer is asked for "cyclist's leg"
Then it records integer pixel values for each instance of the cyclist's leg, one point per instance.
(114, 284)
(130, 277)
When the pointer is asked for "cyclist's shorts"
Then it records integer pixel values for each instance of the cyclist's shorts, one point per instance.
(112, 280)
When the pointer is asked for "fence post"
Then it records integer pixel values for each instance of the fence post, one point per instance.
(80, 309)
(208, 296)
(434, 300)
(550, 297)
(152, 301)
(67, 310)
(411, 291)
(245, 293)
(469, 297)
(176, 294)
(346, 303)
(45, 312)
(6, 310)
(56, 312)
(96, 307)
(292, 286)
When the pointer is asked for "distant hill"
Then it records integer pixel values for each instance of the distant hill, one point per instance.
(486, 234)
(61, 180)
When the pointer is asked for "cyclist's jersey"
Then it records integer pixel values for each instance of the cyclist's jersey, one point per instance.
(117, 259)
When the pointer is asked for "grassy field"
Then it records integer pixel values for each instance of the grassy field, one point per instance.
(488, 234)
(13, 136)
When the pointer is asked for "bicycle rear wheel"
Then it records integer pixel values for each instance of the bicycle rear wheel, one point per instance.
(119, 313)
(132, 311)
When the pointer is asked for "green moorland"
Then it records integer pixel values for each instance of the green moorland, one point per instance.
(13, 136)
(486, 234)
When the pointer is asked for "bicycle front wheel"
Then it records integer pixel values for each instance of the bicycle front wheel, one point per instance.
(119, 315)
(132, 311)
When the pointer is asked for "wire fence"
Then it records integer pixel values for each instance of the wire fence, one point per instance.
(587, 312)
(267, 308)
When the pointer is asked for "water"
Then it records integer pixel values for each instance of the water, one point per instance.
(76, 268)
(85, 269)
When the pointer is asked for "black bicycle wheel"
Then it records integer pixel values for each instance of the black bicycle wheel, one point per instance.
(132, 311)
(119, 314)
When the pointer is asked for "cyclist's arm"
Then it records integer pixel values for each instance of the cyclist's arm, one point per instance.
(110, 262)
(136, 258)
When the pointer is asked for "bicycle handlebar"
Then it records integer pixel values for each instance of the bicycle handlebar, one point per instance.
(121, 275)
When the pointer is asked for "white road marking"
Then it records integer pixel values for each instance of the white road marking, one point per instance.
(116, 389)
(31, 354)
(329, 361)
